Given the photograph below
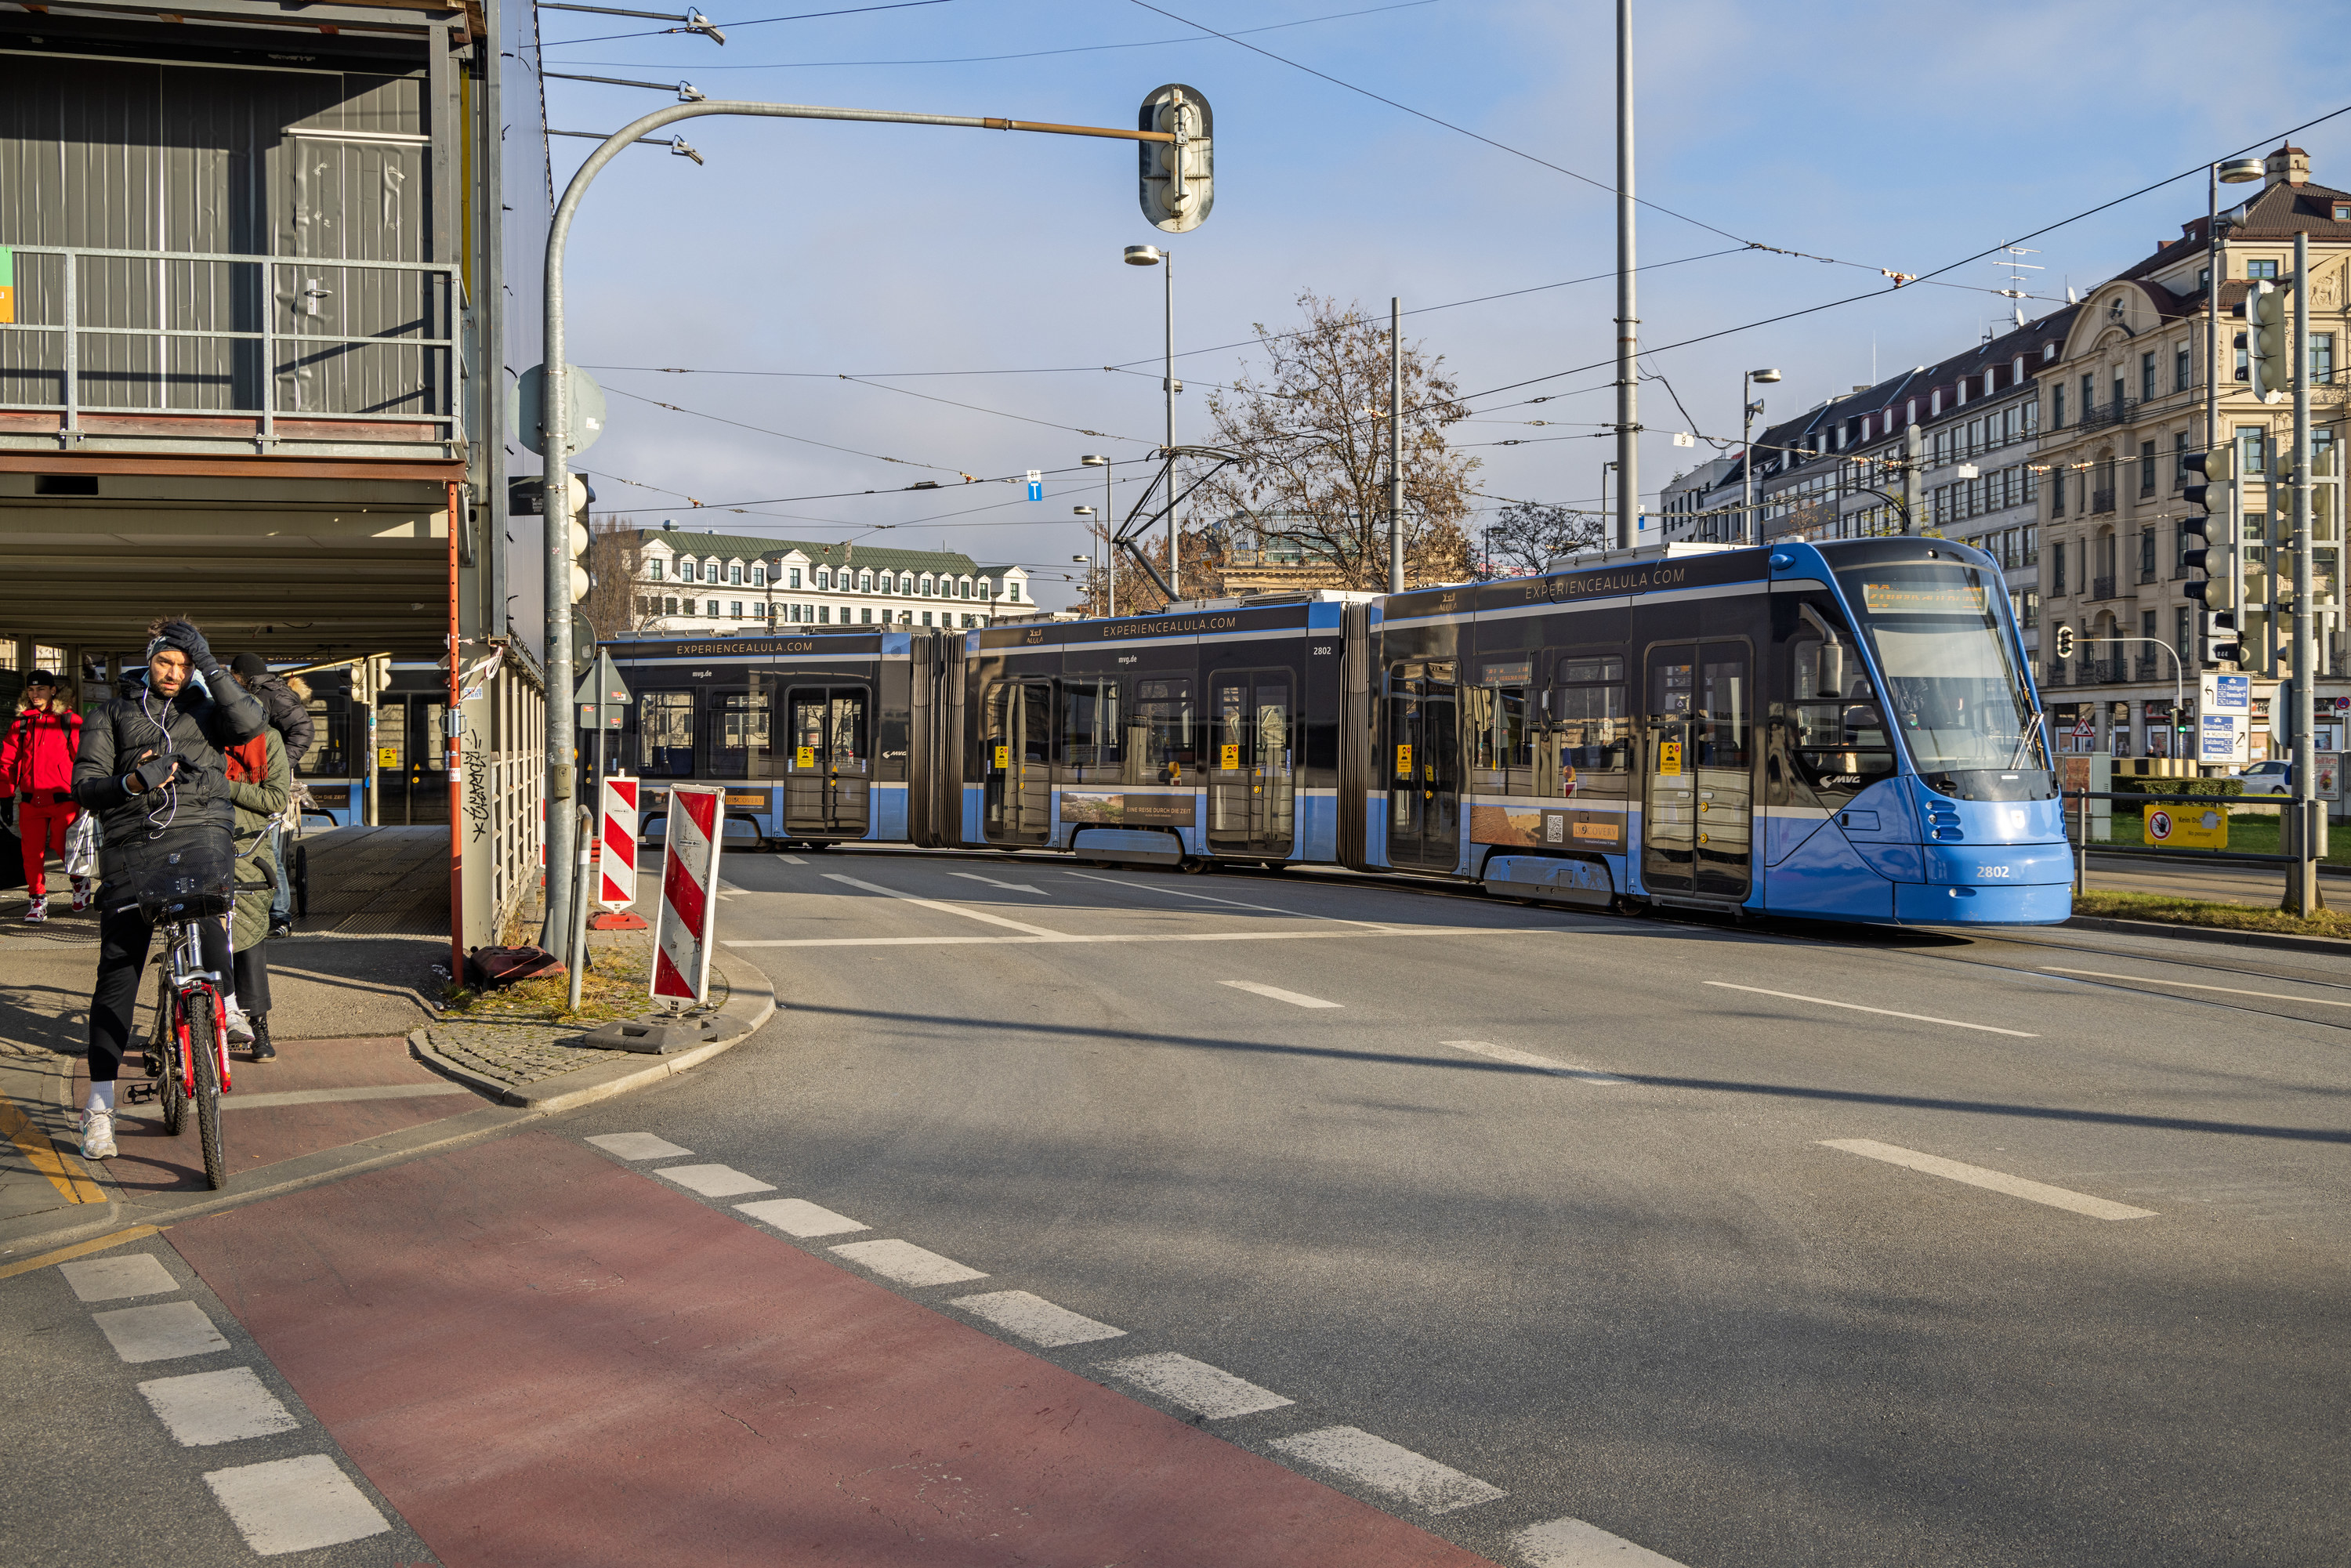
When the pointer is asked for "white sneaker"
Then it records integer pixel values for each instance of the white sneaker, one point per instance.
(80, 893)
(240, 1029)
(96, 1134)
(36, 910)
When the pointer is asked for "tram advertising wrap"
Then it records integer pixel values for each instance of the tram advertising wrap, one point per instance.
(1845, 730)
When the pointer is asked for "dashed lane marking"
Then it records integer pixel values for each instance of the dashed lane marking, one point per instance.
(1035, 1319)
(1388, 1468)
(799, 1217)
(714, 1181)
(295, 1505)
(1278, 995)
(2192, 986)
(1994, 1181)
(907, 1263)
(165, 1332)
(1228, 903)
(79, 1249)
(1881, 1012)
(1512, 1054)
(637, 1145)
(1154, 937)
(112, 1279)
(1006, 886)
(1571, 1543)
(1204, 1390)
(941, 906)
(226, 1406)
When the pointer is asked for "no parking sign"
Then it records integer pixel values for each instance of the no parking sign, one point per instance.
(2195, 828)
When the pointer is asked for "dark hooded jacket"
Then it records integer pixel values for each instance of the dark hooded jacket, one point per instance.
(289, 712)
(197, 726)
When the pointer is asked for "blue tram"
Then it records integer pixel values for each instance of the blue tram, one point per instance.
(1844, 730)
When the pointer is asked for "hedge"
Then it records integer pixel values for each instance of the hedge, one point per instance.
(2138, 786)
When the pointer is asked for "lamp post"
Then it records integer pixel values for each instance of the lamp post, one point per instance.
(1152, 256)
(1110, 555)
(1606, 469)
(1087, 559)
(1753, 406)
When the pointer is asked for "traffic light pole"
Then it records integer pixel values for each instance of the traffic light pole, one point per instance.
(562, 718)
(2302, 884)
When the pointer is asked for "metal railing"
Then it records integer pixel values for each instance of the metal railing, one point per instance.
(2101, 501)
(2118, 411)
(302, 299)
(2102, 588)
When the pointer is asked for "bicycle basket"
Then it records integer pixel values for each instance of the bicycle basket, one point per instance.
(187, 873)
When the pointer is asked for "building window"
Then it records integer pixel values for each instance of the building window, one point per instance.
(2031, 616)
(2341, 214)
(735, 575)
(1012, 592)
(2178, 458)
(963, 588)
(864, 583)
(794, 576)
(2322, 356)
(713, 611)
(2147, 467)
(654, 570)
(685, 570)
(824, 614)
(823, 578)
(2147, 376)
(906, 582)
(2187, 630)
(927, 617)
(734, 608)
(865, 615)
(2253, 449)
(2242, 368)
(2182, 367)
(758, 576)
(2056, 407)
(668, 606)
(2057, 496)
(2262, 268)
(926, 589)
(985, 588)
(2089, 394)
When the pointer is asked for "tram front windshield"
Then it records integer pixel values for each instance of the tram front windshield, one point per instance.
(1954, 690)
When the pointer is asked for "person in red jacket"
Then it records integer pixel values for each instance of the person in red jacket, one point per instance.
(37, 761)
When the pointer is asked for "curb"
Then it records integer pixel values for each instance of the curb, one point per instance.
(751, 1005)
(2280, 940)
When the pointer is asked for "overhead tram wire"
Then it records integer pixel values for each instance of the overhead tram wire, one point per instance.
(543, 44)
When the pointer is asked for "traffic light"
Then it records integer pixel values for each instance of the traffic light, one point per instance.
(582, 497)
(2218, 588)
(2216, 637)
(2064, 641)
(2267, 361)
(1179, 177)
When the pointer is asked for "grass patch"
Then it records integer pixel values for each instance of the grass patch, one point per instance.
(612, 990)
(2170, 911)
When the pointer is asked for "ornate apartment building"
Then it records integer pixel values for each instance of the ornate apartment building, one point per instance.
(2122, 403)
(700, 584)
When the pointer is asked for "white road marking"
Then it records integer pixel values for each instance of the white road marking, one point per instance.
(799, 1217)
(1512, 1054)
(1392, 1470)
(1571, 1543)
(907, 1263)
(111, 1278)
(1006, 886)
(336, 1096)
(2192, 986)
(225, 1407)
(1035, 1319)
(715, 1181)
(791, 859)
(295, 1505)
(936, 903)
(1049, 939)
(1204, 1390)
(1232, 903)
(1995, 1181)
(165, 1332)
(1882, 1012)
(1278, 995)
(637, 1145)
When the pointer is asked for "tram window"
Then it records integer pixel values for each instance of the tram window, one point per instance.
(1726, 709)
(738, 733)
(1170, 736)
(1498, 737)
(1839, 728)
(1595, 734)
(1091, 735)
(665, 735)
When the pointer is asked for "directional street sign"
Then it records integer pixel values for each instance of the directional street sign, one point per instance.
(1036, 484)
(585, 414)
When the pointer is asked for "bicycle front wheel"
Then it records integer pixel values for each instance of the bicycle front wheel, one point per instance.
(170, 1090)
(205, 1045)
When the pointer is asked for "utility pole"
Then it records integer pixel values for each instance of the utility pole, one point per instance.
(1395, 445)
(1628, 397)
(1175, 561)
(1914, 463)
(2301, 890)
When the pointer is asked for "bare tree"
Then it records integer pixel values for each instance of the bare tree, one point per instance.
(1529, 534)
(614, 561)
(1312, 435)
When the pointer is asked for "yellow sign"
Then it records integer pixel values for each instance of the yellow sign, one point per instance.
(1228, 757)
(804, 757)
(2188, 827)
(386, 756)
(1669, 759)
(1004, 757)
(1404, 761)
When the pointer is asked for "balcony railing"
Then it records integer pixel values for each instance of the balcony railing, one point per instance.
(2148, 667)
(2102, 588)
(2055, 675)
(2119, 411)
(2102, 501)
(343, 356)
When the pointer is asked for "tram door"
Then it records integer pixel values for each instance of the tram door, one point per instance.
(1424, 765)
(1697, 800)
(409, 761)
(828, 777)
(1251, 758)
(1017, 740)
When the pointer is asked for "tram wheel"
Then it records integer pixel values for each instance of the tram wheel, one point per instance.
(1193, 864)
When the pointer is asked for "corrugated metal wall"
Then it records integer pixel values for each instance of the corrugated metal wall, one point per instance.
(313, 165)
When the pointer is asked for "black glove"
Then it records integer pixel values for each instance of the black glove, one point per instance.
(183, 636)
(156, 770)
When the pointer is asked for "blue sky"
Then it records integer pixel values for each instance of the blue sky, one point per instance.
(1903, 137)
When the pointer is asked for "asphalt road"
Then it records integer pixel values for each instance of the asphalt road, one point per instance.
(1666, 1306)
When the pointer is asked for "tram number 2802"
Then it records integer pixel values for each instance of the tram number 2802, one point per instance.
(1991, 873)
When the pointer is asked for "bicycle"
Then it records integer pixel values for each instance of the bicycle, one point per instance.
(187, 1053)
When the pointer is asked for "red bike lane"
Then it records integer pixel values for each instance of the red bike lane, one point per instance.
(540, 1358)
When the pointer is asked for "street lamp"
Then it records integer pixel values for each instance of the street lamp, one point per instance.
(1110, 550)
(1152, 256)
(1086, 560)
(1753, 406)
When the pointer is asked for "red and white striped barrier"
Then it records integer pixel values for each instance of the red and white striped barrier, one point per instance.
(689, 917)
(617, 874)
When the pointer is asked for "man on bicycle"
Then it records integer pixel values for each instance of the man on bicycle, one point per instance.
(151, 760)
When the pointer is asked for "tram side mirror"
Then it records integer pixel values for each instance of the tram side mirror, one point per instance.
(1829, 674)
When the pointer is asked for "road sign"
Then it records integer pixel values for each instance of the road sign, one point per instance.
(1036, 484)
(2188, 828)
(616, 868)
(688, 918)
(584, 414)
(602, 688)
(1179, 177)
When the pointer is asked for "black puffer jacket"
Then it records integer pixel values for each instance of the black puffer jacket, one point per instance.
(289, 713)
(115, 736)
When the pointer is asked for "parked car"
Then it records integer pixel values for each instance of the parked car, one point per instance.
(2272, 778)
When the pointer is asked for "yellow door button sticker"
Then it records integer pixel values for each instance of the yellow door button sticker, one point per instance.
(386, 756)
(1004, 757)
(1404, 761)
(1669, 759)
(804, 757)
(1229, 757)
